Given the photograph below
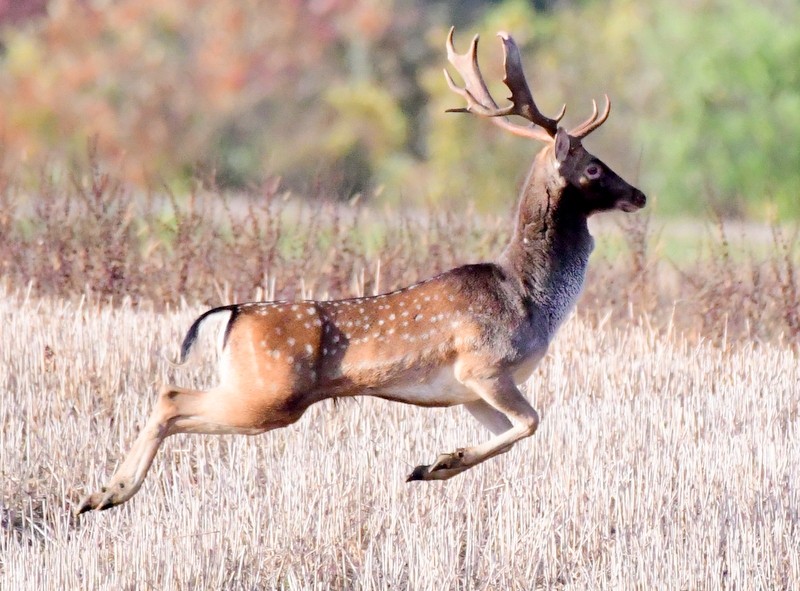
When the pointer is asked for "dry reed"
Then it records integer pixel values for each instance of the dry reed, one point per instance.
(667, 455)
(660, 463)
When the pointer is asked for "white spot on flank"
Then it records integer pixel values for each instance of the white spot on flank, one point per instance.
(310, 311)
(309, 349)
(276, 354)
(291, 341)
(290, 359)
(419, 317)
(392, 316)
(380, 322)
(278, 330)
(264, 344)
(336, 338)
(294, 308)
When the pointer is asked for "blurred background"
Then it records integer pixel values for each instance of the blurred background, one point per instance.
(347, 97)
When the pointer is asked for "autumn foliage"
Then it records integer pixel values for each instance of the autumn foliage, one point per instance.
(348, 95)
(160, 83)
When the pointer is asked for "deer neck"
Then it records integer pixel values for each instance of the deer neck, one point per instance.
(549, 250)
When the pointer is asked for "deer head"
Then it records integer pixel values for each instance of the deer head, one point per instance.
(592, 184)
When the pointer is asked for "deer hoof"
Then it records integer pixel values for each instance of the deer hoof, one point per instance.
(419, 473)
(446, 466)
(106, 498)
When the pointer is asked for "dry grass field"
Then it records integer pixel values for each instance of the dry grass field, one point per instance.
(662, 462)
(668, 456)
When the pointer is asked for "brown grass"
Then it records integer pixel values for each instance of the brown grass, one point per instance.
(659, 463)
(667, 455)
(91, 238)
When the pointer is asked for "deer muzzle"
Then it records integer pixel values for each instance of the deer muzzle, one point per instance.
(634, 202)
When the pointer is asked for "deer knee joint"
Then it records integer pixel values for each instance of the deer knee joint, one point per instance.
(531, 423)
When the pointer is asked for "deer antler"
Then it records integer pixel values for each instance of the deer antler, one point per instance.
(593, 122)
(480, 101)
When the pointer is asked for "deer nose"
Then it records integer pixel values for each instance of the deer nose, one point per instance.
(633, 202)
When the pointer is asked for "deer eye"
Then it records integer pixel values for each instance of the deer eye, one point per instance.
(593, 171)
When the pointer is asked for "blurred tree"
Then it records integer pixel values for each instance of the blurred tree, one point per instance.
(159, 82)
(723, 103)
(15, 11)
(344, 96)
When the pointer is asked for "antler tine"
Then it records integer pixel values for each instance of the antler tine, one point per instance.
(593, 122)
(479, 100)
(475, 92)
(521, 97)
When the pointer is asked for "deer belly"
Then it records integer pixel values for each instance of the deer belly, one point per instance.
(436, 388)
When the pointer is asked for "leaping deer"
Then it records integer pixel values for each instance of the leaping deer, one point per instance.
(468, 336)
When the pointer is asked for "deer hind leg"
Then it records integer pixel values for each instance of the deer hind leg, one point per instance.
(178, 410)
(501, 404)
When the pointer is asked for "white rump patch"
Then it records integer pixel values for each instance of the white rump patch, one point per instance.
(215, 324)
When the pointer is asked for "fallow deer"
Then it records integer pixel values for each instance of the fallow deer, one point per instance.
(468, 336)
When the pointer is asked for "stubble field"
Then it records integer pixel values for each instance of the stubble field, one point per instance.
(667, 458)
(660, 462)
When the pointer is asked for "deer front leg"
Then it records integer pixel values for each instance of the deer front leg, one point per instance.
(501, 394)
(488, 416)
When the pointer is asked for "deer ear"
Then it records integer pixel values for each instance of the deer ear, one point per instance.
(562, 144)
